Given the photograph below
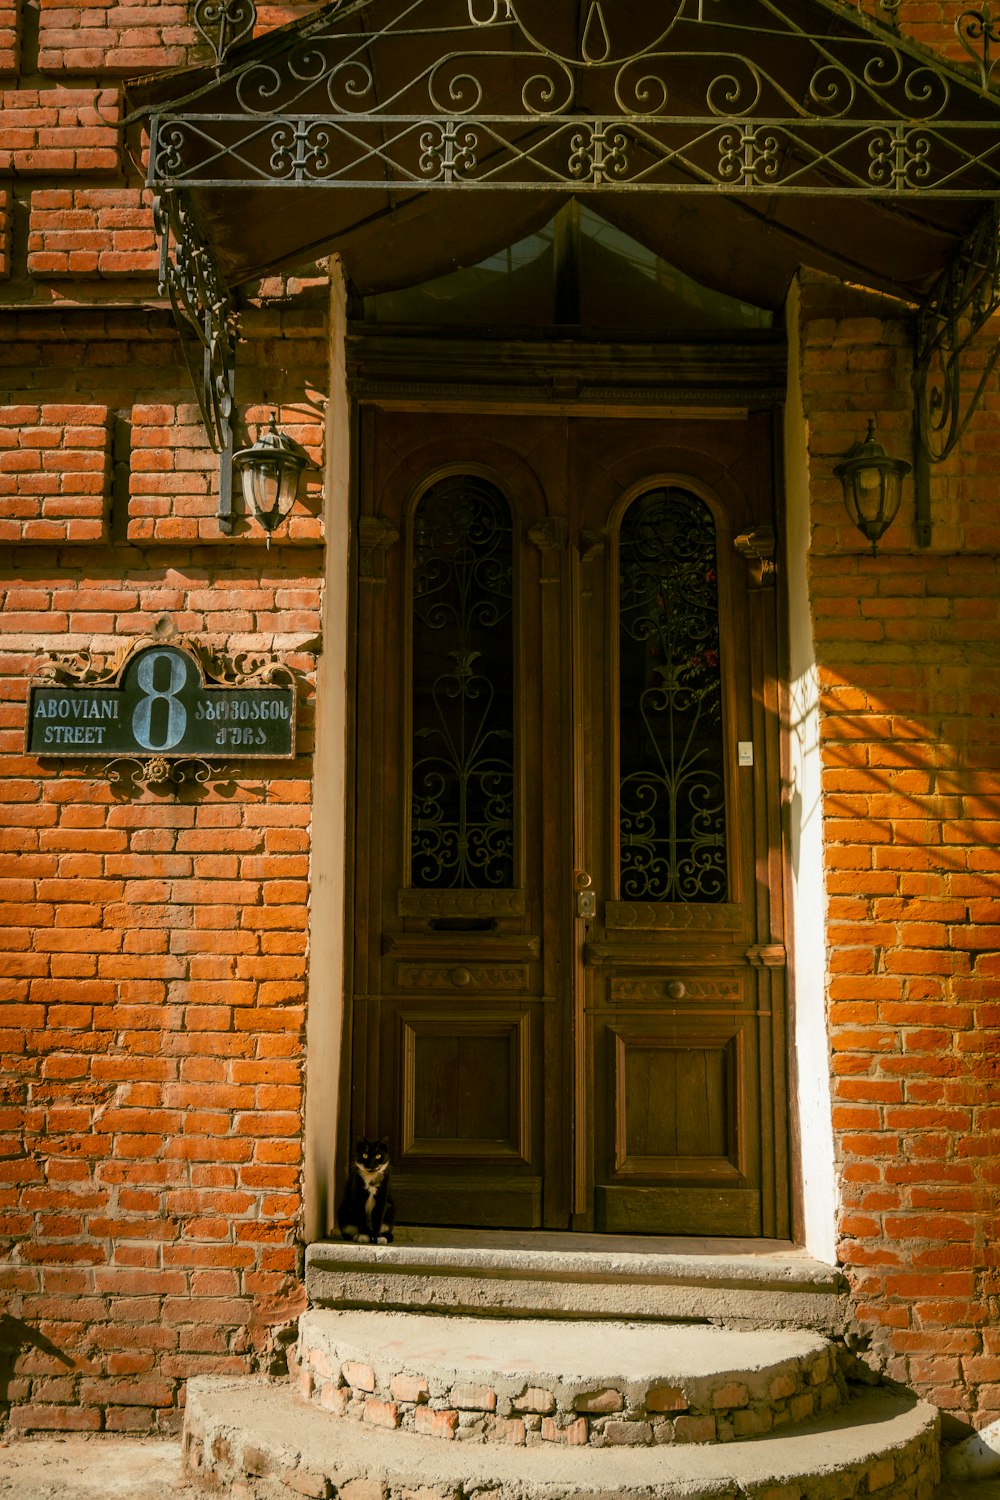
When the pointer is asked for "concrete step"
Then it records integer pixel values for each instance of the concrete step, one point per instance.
(524, 1381)
(252, 1439)
(754, 1283)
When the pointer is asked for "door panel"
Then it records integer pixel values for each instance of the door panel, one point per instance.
(680, 1117)
(568, 958)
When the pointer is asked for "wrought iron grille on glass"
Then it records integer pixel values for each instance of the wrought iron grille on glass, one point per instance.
(672, 793)
(462, 830)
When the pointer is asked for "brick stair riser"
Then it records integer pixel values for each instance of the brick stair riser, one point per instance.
(248, 1471)
(709, 1410)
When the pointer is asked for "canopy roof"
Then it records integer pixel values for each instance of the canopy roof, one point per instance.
(739, 139)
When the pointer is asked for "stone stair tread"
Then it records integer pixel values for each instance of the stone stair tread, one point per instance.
(764, 1283)
(760, 1262)
(297, 1447)
(497, 1350)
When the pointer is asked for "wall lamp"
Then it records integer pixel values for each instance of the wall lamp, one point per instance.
(873, 486)
(269, 472)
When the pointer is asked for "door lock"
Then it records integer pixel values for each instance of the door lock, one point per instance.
(586, 897)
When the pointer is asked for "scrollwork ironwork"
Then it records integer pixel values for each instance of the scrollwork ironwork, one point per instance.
(501, 10)
(887, 11)
(901, 159)
(79, 668)
(672, 791)
(223, 24)
(599, 154)
(300, 152)
(979, 32)
(504, 95)
(86, 668)
(205, 315)
(128, 771)
(448, 152)
(750, 157)
(965, 298)
(462, 822)
(660, 107)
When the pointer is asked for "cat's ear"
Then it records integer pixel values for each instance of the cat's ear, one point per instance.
(359, 1145)
(384, 1143)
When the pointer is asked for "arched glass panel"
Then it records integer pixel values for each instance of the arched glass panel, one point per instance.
(463, 688)
(672, 792)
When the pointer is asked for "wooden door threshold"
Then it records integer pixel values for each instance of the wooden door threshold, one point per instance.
(501, 1273)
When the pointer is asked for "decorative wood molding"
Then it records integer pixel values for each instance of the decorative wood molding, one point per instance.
(453, 947)
(681, 380)
(592, 544)
(470, 977)
(621, 990)
(757, 547)
(768, 955)
(506, 1026)
(452, 903)
(662, 916)
(550, 534)
(375, 537)
(651, 957)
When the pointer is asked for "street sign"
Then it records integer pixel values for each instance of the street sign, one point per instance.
(160, 703)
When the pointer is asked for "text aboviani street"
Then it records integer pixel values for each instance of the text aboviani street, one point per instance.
(159, 703)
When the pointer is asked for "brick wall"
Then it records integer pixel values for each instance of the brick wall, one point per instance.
(907, 645)
(153, 942)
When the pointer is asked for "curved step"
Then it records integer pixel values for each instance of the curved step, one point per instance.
(253, 1435)
(525, 1381)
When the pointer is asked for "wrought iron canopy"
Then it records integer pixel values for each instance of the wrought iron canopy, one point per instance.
(764, 114)
(740, 139)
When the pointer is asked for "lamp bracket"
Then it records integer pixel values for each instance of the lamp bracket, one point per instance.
(206, 318)
(954, 313)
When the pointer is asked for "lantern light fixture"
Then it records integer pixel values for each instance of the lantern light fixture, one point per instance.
(873, 486)
(269, 472)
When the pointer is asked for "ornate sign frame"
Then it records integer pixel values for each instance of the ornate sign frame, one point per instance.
(160, 705)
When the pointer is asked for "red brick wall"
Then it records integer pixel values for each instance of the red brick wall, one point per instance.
(153, 944)
(908, 645)
(152, 941)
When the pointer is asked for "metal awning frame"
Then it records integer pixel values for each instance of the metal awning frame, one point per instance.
(827, 145)
(486, 93)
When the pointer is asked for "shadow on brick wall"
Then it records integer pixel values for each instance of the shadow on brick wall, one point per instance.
(16, 1338)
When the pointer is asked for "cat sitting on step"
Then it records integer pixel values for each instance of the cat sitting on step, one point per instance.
(366, 1213)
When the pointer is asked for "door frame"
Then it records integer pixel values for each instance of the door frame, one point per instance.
(416, 372)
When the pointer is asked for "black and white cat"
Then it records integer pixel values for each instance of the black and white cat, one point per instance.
(366, 1213)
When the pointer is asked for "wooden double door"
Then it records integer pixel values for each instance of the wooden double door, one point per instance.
(568, 966)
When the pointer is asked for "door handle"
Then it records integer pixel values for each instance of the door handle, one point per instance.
(586, 896)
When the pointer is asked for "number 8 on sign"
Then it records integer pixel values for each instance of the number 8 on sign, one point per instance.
(160, 703)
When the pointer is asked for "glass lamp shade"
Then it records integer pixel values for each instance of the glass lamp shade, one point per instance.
(269, 473)
(873, 486)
